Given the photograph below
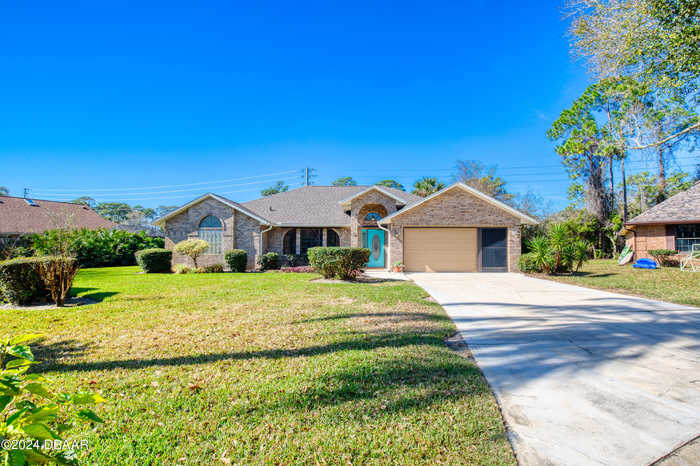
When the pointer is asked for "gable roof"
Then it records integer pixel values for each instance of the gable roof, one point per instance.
(316, 206)
(683, 207)
(228, 202)
(470, 190)
(17, 216)
(402, 197)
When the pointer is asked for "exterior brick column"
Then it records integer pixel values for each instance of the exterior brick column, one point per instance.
(324, 239)
(298, 235)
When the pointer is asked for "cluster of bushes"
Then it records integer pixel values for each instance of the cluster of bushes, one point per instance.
(559, 250)
(36, 279)
(664, 257)
(94, 248)
(298, 269)
(184, 269)
(340, 263)
(269, 261)
(295, 260)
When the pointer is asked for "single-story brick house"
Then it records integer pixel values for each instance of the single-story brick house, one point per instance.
(671, 224)
(20, 216)
(455, 229)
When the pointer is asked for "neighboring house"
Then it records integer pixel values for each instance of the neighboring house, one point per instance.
(455, 229)
(20, 216)
(148, 230)
(671, 224)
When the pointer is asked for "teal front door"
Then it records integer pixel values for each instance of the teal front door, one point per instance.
(373, 239)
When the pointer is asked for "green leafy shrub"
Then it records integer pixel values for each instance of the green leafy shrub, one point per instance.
(95, 248)
(526, 263)
(560, 250)
(269, 261)
(181, 269)
(237, 260)
(214, 268)
(193, 248)
(341, 263)
(662, 256)
(31, 413)
(154, 260)
(298, 269)
(58, 273)
(21, 282)
(296, 260)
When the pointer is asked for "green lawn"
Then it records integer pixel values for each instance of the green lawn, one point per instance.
(266, 368)
(665, 284)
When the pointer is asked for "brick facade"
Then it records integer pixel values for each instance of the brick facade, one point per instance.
(456, 208)
(239, 232)
(647, 237)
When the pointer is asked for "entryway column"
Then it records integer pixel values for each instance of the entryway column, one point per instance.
(298, 236)
(324, 240)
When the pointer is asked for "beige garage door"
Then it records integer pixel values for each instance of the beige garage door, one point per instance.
(440, 249)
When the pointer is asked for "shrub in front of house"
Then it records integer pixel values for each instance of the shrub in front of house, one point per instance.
(237, 260)
(526, 263)
(269, 261)
(21, 282)
(214, 268)
(299, 269)
(295, 260)
(663, 256)
(560, 250)
(341, 263)
(155, 260)
(181, 269)
(192, 248)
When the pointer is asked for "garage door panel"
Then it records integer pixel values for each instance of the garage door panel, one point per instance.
(440, 249)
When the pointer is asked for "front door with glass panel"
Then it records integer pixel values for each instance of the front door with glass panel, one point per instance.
(373, 239)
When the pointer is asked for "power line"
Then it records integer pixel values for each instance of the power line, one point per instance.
(166, 186)
(197, 189)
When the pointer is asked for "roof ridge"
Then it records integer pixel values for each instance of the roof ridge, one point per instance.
(46, 200)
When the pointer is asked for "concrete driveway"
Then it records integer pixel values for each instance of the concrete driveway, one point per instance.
(582, 376)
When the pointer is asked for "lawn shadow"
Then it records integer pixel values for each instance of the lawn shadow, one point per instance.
(52, 353)
(96, 296)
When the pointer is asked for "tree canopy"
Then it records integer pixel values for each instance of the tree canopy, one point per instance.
(278, 187)
(390, 184)
(427, 186)
(4, 191)
(482, 178)
(344, 181)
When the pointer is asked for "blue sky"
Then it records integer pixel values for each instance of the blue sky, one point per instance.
(114, 101)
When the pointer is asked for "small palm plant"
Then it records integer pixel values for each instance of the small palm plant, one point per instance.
(541, 254)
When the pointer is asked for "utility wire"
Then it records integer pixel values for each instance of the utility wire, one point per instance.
(167, 186)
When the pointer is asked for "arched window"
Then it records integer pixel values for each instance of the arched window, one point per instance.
(289, 242)
(211, 230)
(372, 217)
(332, 238)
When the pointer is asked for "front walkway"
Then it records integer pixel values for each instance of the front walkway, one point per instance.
(582, 376)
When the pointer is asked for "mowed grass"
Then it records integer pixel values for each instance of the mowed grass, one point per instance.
(665, 284)
(266, 368)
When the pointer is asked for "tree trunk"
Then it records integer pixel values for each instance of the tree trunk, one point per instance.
(612, 184)
(662, 174)
(596, 202)
(624, 189)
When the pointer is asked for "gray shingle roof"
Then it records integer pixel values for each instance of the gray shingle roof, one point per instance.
(313, 205)
(683, 207)
(18, 216)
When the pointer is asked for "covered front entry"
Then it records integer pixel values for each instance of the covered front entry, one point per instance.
(373, 239)
(438, 249)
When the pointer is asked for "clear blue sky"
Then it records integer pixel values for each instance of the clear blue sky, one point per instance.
(98, 99)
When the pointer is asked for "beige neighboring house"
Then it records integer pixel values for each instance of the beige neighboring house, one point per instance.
(672, 224)
(457, 229)
(20, 216)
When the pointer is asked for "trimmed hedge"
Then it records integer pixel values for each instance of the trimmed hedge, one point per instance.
(154, 260)
(21, 282)
(237, 260)
(269, 261)
(341, 263)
